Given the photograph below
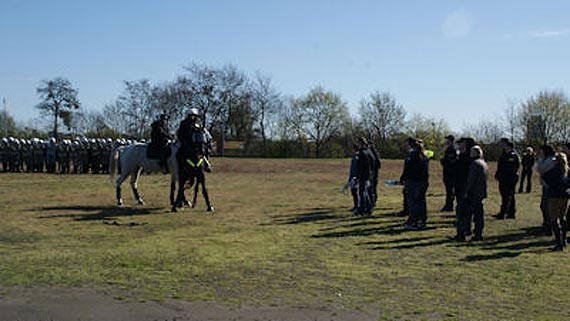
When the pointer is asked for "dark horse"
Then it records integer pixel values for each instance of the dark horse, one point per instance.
(191, 168)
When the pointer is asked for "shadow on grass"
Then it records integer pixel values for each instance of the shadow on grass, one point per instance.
(494, 256)
(390, 229)
(90, 213)
(512, 245)
(416, 244)
(402, 240)
(313, 215)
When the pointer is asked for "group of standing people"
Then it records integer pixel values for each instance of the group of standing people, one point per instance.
(554, 177)
(66, 156)
(363, 177)
(465, 177)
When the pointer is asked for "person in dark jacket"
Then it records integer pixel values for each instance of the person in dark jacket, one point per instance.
(353, 179)
(377, 164)
(528, 159)
(507, 175)
(364, 175)
(194, 139)
(475, 193)
(449, 162)
(462, 210)
(159, 137)
(416, 179)
(553, 169)
(566, 151)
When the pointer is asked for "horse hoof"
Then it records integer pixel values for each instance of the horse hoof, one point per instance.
(120, 202)
(141, 202)
(174, 209)
(210, 209)
(186, 203)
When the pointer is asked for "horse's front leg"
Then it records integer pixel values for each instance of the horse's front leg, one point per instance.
(202, 181)
(180, 195)
(172, 191)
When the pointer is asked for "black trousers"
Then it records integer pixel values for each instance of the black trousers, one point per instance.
(449, 183)
(463, 217)
(374, 182)
(526, 173)
(365, 201)
(508, 203)
(405, 209)
(354, 192)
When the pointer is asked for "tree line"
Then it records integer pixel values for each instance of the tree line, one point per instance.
(267, 123)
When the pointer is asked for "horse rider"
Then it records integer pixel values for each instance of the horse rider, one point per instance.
(159, 137)
(194, 138)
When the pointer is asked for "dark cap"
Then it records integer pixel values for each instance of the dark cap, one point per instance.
(450, 137)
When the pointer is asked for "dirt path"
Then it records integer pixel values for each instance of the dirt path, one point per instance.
(48, 304)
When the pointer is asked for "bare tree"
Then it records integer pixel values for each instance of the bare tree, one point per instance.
(136, 104)
(485, 131)
(382, 115)
(319, 116)
(115, 118)
(511, 121)
(59, 99)
(173, 98)
(266, 100)
(224, 97)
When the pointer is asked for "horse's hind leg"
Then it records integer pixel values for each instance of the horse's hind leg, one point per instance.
(134, 186)
(120, 181)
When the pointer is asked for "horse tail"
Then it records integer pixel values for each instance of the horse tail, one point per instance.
(114, 165)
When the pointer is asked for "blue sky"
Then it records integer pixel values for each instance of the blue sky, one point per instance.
(459, 60)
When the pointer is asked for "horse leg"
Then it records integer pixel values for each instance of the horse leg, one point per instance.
(120, 181)
(180, 195)
(202, 181)
(194, 198)
(172, 191)
(185, 201)
(134, 186)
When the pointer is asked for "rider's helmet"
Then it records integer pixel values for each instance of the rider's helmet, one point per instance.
(194, 112)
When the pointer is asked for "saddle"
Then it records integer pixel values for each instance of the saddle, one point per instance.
(154, 151)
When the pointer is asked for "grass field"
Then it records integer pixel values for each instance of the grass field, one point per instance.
(281, 236)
